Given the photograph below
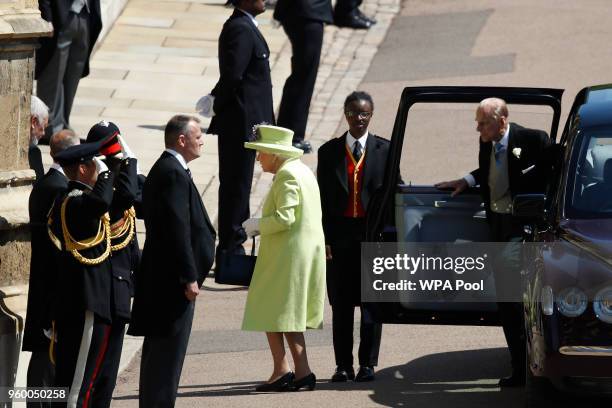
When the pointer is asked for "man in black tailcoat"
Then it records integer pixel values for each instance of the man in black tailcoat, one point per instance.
(242, 99)
(510, 162)
(350, 169)
(43, 267)
(303, 22)
(178, 254)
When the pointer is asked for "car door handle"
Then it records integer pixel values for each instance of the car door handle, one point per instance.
(456, 204)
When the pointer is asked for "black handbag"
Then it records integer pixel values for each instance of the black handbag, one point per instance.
(235, 269)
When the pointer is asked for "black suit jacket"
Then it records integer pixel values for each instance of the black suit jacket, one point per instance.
(243, 95)
(83, 287)
(178, 249)
(333, 180)
(525, 173)
(318, 10)
(44, 260)
(35, 161)
(57, 12)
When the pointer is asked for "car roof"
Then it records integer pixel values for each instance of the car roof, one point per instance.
(597, 108)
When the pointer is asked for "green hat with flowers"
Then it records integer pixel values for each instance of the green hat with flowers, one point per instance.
(274, 140)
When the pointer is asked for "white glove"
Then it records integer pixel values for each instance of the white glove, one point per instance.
(204, 106)
(100, 165)
(125, 148)
(251, 227)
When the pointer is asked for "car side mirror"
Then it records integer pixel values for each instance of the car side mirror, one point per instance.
(529, 205)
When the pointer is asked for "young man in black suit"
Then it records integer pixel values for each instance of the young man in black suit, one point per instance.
(43, 266)
(350, 169)
(63, 59)
(243, 98)
(509, 163)
(303, 22)
(178, 254)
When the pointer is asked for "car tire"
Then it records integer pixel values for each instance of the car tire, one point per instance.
(538, 391)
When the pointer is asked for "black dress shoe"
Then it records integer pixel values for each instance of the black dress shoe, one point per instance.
(352, 21)
(365, 374)
(343, 374)
(515, 380)
(372, 20)
(303, 145)
(280, 384)
(307, 382)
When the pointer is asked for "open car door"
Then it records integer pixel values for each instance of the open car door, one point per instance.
(417, 212)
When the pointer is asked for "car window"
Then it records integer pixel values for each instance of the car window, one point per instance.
(590, 189)
(441, 142)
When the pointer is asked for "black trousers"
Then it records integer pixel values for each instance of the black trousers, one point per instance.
(306, 38)
(161, 365)
(504, 228)
(236, 165)
(107, 376)
(369, 334)
(80, 352)
(345, 7)
(41, 373)
(58, 83)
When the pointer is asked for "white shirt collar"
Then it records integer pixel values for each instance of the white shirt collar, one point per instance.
(251, 17)
(57, 167)
(178, 157)
(504, 140)
(350, 140)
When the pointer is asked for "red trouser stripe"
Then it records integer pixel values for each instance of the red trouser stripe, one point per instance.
(99, 360)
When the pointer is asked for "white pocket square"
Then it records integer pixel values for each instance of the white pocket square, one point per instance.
(528, 169)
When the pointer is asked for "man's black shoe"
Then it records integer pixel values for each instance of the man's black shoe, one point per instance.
(343, 374)
(303, 145)
(515, 380)
(372, 20)
(365, 374)
(352, 21)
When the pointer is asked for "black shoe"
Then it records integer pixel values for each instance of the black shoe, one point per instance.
(279, 385)
(515, 380)
(352, 21)
(365, 374)
(364, 17)
(303, 145)
(309, 382)
(343, 374)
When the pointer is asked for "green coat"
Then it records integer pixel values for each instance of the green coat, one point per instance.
(287, 291)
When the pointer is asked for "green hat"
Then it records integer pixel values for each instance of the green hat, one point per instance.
(274, 140)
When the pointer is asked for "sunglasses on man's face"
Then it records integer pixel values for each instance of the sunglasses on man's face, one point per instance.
(360, 115)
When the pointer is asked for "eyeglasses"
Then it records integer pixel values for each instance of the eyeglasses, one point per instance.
(360, 115)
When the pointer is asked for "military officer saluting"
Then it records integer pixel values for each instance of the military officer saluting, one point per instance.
(79, 224)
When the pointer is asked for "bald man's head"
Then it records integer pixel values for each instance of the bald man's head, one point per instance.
(63, 140)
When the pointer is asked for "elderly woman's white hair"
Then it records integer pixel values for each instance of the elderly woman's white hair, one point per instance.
(39, 109)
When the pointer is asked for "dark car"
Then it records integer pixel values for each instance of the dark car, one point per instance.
(572, 349)
(568, 296)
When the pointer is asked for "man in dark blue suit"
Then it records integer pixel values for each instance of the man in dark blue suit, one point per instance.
(178, 254)
(243, 98)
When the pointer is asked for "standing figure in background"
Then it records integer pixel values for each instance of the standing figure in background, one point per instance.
(347, 14)
(242, 99)
(43, 269)
(350, 169)
(39, 118)
(62, 60)
(303, 22)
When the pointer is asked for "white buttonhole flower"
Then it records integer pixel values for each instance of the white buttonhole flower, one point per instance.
(517, 152)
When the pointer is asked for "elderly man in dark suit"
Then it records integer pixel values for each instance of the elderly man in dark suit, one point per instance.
(510, 162)
(243, 98)
(43, 267)
(39, 118)
(303, 22)
(350, 169)
(178, 254)
(63, 59)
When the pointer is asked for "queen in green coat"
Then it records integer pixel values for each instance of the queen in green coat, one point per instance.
(287, 291)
